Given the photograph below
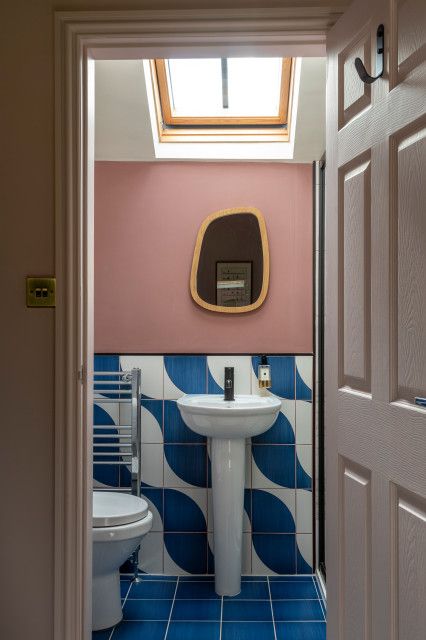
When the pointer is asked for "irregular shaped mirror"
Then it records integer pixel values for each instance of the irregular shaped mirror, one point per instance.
(230, 268)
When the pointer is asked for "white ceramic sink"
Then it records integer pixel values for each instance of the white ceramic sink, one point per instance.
(244, 417)
(228, 424)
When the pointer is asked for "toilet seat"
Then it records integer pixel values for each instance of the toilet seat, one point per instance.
(111, 509)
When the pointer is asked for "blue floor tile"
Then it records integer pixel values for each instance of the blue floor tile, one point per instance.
(152, 589)
(147, 609)
(300, 630)
(297, 610)
(209, 578)
(101, 635)
(124, 587)
(252, 591)
(193, 631)
(138, 630)
(293, 591)
(246, 610)
(244, 631)
(196, 590)
(289, 578)
(196, 610)
(149, 577)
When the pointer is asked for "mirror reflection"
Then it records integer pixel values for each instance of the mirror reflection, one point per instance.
(230, 270)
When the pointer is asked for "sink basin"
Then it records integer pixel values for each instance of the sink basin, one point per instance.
(244, 417)
(228, 424)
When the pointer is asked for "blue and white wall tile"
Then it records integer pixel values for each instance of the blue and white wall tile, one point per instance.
(152, 463)
(176, 479)
(304, 511)
(304, 553)
(242, 373)
(151, 554)
(304, 466)
(304, 381)
(184, 374)
(151, 374)
(304, 422)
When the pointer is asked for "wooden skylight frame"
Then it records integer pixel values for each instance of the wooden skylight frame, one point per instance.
(173, 128)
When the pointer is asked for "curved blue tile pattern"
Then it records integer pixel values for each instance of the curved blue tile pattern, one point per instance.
(212, 386)
(272, 482)
(175, 430)
(303, 392)
(303, 480)
(282, 373)
(276, 551)
(270, 514)
(182, 513)
(277, 463)
(188, 550)
(281, 432)
(188, 373)
(155, 407)
(302, 565)
(188, 462)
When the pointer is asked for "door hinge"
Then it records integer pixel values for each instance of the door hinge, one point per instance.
(81, 374)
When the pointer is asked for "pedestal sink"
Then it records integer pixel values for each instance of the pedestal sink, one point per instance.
(228, 424)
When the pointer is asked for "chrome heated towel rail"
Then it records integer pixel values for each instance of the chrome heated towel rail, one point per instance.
(122, 446)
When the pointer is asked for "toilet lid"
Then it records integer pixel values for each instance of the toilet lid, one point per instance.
(113, 509)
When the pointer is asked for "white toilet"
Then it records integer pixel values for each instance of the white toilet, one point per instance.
(120, 521)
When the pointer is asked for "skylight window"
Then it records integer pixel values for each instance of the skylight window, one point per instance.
(233, 95)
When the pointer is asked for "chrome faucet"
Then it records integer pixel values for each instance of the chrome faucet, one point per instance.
(229, 384)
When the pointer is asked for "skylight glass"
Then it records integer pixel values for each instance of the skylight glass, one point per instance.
(202, 87)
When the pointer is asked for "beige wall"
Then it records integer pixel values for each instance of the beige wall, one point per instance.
(27, 247)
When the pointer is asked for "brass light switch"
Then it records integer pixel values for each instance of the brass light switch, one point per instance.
(41, 292)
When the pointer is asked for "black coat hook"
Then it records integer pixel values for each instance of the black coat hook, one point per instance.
(380, 55)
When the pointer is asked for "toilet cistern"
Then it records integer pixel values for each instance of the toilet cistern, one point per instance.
(228, 424)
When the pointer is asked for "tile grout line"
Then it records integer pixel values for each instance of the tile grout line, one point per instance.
(234, 599)
(295, 467)
(171, 610)
(251, 478)
(319, 598)
(272, 609)
(163, 499)
(221, 619)
(122, 607)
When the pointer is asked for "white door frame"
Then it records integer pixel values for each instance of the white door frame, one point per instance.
(80, 37)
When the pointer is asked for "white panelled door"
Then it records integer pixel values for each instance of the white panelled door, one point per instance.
(375, 351)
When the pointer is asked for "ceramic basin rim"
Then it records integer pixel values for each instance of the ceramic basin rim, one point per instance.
(213, 406)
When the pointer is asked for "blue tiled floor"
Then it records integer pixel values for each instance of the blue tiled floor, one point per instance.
(188, 608)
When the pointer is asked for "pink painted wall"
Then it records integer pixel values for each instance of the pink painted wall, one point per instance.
(147, 216)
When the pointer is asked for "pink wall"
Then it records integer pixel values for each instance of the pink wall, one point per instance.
(147, 217)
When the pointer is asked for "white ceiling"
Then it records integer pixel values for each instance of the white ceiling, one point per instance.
(123, 126)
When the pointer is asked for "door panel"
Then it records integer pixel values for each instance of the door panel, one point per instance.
(354, 95)
(409, 565)
(375, 326)
(408, 259)
(354, 273)
(409, 37)
(355, 492)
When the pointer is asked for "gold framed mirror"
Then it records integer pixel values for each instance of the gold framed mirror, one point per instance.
(230, 266)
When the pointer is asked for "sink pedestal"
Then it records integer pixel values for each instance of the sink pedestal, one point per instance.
(228, 476)
(228, 424)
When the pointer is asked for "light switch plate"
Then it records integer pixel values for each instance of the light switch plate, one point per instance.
(41, 292)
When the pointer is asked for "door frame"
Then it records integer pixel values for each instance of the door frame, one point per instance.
(80, 38)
